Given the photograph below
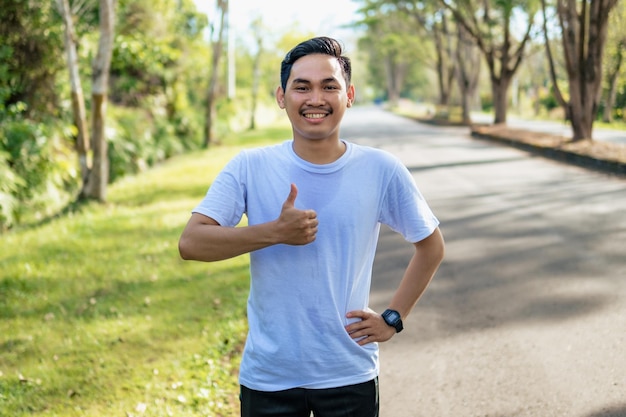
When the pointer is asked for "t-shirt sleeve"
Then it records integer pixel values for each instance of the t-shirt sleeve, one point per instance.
(225, 201)
(405, 209)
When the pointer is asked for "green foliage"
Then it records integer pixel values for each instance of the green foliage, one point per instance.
(10, 184)
(102, 318)
(620, 102)
(549, 101)
(140, 66)
(30, 41)
(156, 74)
(39, 172)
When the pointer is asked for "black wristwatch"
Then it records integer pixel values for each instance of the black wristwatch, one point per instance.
(393, 318)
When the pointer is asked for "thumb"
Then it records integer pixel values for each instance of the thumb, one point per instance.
(291, 199)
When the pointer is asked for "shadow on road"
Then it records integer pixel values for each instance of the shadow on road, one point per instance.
(518, 250)
(526, 314)
(616, 411)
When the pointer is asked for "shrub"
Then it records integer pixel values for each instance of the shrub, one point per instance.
(38, 167)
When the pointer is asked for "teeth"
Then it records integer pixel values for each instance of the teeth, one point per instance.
(315, 116)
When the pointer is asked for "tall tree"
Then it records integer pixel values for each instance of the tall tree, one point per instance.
(97, 182)
(468, 71)
(79, 111)
(584, 27)
(394, 50)
(433, 19)
(616, 49)
(257, 29)
(212, 90)
(492, 24)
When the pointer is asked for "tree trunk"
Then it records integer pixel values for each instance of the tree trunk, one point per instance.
(256, 76)
(503, 58)
(392, 94)
(499, 91)
(609, 103)
(256, 70)
(218, 46)
(78, 98)
(394, 79)
(99, 176)
(445, 60)
(468, 68)
(584, 37)
(433, 19)
(557, 90)
(442, 78)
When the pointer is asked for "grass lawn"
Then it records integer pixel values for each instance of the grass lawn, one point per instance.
(99, 316)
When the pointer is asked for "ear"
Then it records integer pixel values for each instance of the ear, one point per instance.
(280, 97)
(351, 95)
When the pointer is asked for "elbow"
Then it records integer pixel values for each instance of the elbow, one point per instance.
(433, 247)
(184, 250)
(440, 252)
(440, 247)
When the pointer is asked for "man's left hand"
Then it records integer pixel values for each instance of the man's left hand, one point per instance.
(371, 328)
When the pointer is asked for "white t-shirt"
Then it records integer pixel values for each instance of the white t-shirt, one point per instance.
(299, 295)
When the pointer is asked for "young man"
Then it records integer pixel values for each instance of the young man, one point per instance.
(314, 206)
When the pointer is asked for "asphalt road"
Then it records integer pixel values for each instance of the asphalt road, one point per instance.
(527, 314)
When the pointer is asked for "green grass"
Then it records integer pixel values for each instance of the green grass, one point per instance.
(99, 316)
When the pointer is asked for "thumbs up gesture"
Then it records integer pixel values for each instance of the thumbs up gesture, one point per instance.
(296, 227)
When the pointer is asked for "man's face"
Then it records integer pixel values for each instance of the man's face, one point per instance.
(316, 97)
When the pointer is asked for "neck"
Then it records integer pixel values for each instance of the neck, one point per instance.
(319, 151)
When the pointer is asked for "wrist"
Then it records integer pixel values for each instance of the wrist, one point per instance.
(393, 319)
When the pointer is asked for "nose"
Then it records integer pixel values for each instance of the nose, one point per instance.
(316, 98)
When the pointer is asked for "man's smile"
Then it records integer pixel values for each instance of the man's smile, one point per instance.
(315, 115)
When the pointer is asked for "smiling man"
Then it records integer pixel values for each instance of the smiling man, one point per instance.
(313, 223)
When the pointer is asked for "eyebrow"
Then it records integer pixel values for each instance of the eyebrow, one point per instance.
(305, 81)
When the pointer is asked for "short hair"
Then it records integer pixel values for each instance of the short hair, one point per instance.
(319, 45)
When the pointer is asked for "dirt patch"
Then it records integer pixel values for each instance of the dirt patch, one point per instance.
(599, 155)
(595, 149)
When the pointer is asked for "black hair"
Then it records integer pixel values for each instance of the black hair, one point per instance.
(320, 45)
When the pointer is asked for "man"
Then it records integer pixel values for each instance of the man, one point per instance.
(314, 206)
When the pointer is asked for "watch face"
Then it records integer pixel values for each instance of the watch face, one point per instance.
(393, 316)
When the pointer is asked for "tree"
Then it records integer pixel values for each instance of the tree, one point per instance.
(98, 179)
(433, 19)
(616, 48)
(79, 112)
(394, 50)
(257, 29)
(212, 90)
(492, 25)
(584, 27)
(468, 71)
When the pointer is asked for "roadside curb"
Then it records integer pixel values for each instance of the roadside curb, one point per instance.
(553, 152)
(543, 144)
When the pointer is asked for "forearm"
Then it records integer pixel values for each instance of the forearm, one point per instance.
(205, 240)
(418, 274)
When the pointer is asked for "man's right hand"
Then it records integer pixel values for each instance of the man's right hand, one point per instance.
(204, 239)
(295, 226)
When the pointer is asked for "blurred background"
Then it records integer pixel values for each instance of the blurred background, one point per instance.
(178, 75)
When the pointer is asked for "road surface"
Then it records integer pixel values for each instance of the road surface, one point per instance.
(527, 314)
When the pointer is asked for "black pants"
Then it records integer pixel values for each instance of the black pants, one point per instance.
(360, 400)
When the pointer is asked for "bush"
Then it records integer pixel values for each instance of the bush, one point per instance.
(139, 139)
(38, 167)
(10, 183)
